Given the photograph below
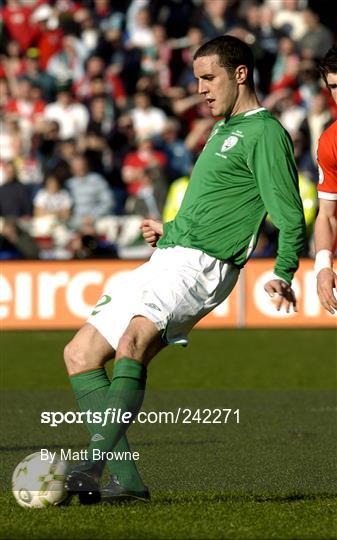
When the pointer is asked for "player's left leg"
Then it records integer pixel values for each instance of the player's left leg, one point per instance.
(138, 345)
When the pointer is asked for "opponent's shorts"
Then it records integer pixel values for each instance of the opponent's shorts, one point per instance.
(174, 289)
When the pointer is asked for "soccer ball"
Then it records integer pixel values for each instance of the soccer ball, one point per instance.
(39, 483)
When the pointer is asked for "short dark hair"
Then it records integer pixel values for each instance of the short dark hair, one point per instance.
(232, 52)
(329, 62)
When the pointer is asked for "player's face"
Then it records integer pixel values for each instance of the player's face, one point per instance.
(219, 89)
(331, 80)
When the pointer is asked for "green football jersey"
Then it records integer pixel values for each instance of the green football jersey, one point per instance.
(246, 170)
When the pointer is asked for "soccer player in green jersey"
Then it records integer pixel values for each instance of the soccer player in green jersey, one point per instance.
(245, 171)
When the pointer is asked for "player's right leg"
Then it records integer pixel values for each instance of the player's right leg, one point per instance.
(87, 350)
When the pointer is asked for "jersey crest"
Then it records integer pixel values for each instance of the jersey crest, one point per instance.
(229, 142)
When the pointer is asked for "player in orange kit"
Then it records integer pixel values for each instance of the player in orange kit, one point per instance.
(326, 222)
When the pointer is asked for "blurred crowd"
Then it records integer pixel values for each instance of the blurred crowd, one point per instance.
(101, 122)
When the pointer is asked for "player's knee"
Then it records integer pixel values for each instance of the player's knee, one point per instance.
(75, 358)
(128, 347)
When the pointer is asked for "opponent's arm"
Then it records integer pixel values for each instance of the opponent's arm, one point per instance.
(325, 236)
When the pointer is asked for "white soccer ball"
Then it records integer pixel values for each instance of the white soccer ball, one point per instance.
(38, 483)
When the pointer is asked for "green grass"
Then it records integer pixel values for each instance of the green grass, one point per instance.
(271, 476)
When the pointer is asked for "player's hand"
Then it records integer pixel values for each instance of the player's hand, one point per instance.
(326, 282)
(152, 230)
(285, 294)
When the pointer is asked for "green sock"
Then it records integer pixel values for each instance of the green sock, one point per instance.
(124, 399)
(90, 389)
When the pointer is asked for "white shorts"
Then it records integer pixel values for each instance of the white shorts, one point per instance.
(174, 289)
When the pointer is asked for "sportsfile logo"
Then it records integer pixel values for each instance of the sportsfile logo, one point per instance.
(112, 416)
(181, 415)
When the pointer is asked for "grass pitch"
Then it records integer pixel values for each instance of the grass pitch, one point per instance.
(273, 475)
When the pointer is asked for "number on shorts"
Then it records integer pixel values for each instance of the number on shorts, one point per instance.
(101, 302)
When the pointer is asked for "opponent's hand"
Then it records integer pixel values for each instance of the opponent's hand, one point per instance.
(152, 230)
(286, 296)
(326, 282)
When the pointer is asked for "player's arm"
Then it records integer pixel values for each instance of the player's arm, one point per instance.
(285, 294)
(152, 230)
(325, 236)
(273, 164)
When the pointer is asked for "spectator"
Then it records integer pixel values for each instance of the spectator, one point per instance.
(101, 11)
(194, 40)
(101, 116)
(286, 67)
(141, 32)
(304, 162)
(4, 94)
(47, 140)
(52, 206)
(72, 117)
(12, 63)
(290, 19)
(194, 113)
(308, 82)
(317, 120)
(150, 198)
(148, 120)
(155, 61)
(317, 38)
(68, 63)
(179, 156)
(121, 142)
(112, 84)
(266, 43)
(122, 61)
(49, 38)
(97, 152)
(52, 200)
(214, 18)
(134, 163)
(27, 110)
(174, 198)
(59, 164)
(175, 16)
(88, 33)
(90, 192)
(291, 114)
(127, 64)
(15, 242)
(88, 244)
(10, 139)
(29, 172)
(14, 197)
(18, 23)
(37, 76)
(308, 194)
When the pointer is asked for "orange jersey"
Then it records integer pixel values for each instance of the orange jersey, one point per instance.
(327, 163)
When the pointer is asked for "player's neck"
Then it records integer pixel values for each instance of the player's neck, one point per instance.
(247, 101)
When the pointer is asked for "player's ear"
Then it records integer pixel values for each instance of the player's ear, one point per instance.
(241, 74)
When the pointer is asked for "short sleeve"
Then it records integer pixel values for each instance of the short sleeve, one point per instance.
(327, 165)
